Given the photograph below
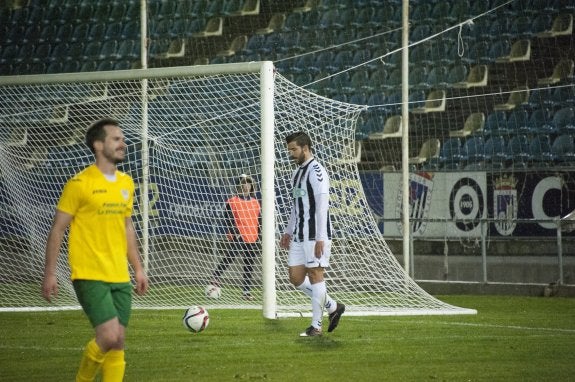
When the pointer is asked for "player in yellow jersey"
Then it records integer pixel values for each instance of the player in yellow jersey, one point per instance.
(97, 206)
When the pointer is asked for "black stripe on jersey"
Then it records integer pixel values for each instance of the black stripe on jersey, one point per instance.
(300, 207)
(311, 223)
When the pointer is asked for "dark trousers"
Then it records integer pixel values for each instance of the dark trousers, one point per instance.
(247, 251)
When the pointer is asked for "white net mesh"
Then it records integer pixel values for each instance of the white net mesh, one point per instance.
(203, 131)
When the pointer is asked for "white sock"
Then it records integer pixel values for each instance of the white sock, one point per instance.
(306, 288)
(317, 302)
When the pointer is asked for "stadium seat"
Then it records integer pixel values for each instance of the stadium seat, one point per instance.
(441, 12)
(540, 151)
(363, 18)
(478, 53)
(457, 74)
(101, 12)
(214, 27)
(562, 26)
(71, 66)
(518, 121)
(522, 27)
(360, 80)
(302, 63)
(496, 123)
(328, 19)
(437, 77)
(275, 24)
(249, 8)
(96, 32)
(450, 154)
(495, 152)
(129, 50)
(563, 96)
(564, 120)
(55, 67)
(460, 10)
(477, 77)
(341, 61)
(391, 129)
(520, 51)
(42, 53)
(474, 124)
(416, 99)
(417, 78)
(563, 149)
(31, 34)
(473, 150)
(68, 32)
(562, 71)
(133, 11)
(517, 97)
(80, 33)
(293, 22)
(435, 102)
(321, 62)
(518, 150)
(113, 31)
(235, 46)
(429, 149)
(540, 122)
(117, 12)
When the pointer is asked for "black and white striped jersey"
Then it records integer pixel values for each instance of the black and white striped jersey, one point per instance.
(309, 219)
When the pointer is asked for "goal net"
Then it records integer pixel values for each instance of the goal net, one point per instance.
(191, 132)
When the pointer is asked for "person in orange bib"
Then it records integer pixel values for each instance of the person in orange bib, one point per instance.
(242, 219)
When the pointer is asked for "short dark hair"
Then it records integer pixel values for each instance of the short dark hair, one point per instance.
(246, 179)
(96, 132)
(300, 138)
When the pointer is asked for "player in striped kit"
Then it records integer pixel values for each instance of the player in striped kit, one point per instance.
(308, 233)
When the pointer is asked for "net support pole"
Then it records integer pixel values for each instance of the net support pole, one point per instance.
(405, 136)
(144, 205)
(268, 190)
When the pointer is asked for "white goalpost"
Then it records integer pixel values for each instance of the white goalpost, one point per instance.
(191, 132)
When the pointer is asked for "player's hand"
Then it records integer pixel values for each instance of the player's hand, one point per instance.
(285, 241)
(318, 248)
(49, 287)
(141, 283)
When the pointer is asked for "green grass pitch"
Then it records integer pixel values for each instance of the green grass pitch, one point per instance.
(510, 339)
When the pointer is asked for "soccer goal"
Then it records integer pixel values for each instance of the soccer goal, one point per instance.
(191, 132)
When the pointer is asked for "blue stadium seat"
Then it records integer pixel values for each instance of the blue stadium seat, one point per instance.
(540, 150)
(113, 31)
(48, 33)
(128, 50)
(31, 34)
(450, 154)
(441, 12)
(67, 32)
(293, 22)
(457, 73)
(495, 152)
(540, 122)
(496, 124)
(42, 52)
(363, 17)
(341, 61)
(518, 150)
(117, 12)
(473, 150)
(96, 32)
(71, 67)
(328, 19)
(360, 81)
(563, 149)
(518, 121)
(322, 60)
(437, 77)
(564, 120)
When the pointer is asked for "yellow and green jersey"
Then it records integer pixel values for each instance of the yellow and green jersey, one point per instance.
(97, 246)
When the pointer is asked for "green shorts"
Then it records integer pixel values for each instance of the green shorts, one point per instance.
(103, 301)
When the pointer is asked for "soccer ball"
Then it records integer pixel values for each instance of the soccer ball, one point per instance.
(196, 319)
(213, 292)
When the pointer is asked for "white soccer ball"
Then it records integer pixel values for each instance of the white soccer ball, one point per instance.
(196, 319)
(213, 292)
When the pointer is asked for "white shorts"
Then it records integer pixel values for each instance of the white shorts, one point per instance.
(303, 253)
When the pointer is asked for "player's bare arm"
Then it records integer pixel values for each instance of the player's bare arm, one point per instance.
(134, 259)
(50, 283)
(319, 244)
(285, 241)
